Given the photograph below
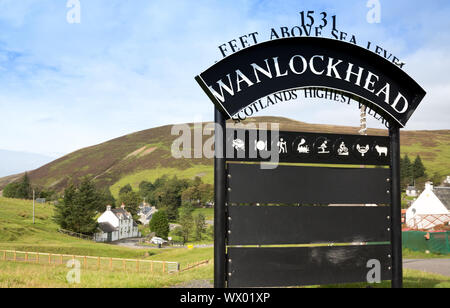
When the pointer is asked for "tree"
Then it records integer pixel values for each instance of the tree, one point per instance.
(191, 196)
(436, 179)
(168, 196)
(88, 195)
(106, 198)
(24, 188)
(200, 226)
(10, 190)
(206, 193)
(405, 171)
(197, 193)
(146, 189)
(20, 190)
(186, 221)
(125, 189)
(160, 224)
(418, 169)
(79, 207)
(131, 200)
(64, 210)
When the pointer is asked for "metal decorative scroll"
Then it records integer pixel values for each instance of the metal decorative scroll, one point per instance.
(302, 147)
(304, 62)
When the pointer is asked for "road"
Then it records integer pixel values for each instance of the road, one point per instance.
(134, 243)
(437, 266)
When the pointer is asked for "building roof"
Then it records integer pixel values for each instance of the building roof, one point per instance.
(106, 227)
(120, 211)
(443, 194)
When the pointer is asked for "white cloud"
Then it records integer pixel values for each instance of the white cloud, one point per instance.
(129, 66)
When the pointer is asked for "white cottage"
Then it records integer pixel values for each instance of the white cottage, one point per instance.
(431, 208)
(116, 224)
(146, 212)
(411, 191)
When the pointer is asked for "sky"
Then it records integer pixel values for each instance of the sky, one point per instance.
(130, 65)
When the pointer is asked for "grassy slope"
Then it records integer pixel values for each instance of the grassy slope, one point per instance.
(18, 232)
(146, 155)
(20, 275)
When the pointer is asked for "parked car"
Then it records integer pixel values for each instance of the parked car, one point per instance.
(158, 241)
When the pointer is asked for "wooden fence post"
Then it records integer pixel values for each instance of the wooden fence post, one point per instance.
(85, 262)
(98, 262)
(110, 264)
(26, 257)
(37, 257)
(137, 265)
(61, 259)
(49, 258)
(164, 266)
(4, 256)
(15, 256)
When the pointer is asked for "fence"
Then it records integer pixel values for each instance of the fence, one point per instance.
(89, 262)
(197, 264)
(75, 234)
(436, 242)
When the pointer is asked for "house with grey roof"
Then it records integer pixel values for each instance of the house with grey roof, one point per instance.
(116, 224)
(431, 208)
(411, 191)
(146, 212)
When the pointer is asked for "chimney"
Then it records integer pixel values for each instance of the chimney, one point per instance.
(123, 205)
(108, 207)
(429, 185)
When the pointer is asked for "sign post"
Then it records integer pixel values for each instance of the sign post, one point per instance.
(295, 200)
(396, 229)
(219, 200)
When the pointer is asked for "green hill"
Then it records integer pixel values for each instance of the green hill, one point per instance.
(18, 232)
(146, 155)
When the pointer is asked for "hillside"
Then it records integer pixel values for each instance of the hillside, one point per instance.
(146, 155)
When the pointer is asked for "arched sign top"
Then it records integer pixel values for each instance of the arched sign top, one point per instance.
(310, 62)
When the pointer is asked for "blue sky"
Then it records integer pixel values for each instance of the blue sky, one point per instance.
(130, 65)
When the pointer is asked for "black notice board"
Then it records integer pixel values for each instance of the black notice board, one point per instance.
(249, 183)
(295, 266)
(248, 225)
(302, 147)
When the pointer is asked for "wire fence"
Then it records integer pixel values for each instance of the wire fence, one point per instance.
(93, 263)
(75, 234)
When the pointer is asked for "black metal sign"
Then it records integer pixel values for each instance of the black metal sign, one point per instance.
(294, 266)
(303, 62)
(307, 224)
(283, 65)
(302, 147)
(249, 183)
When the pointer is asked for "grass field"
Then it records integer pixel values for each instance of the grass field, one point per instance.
(17, 232)
(25, 275)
